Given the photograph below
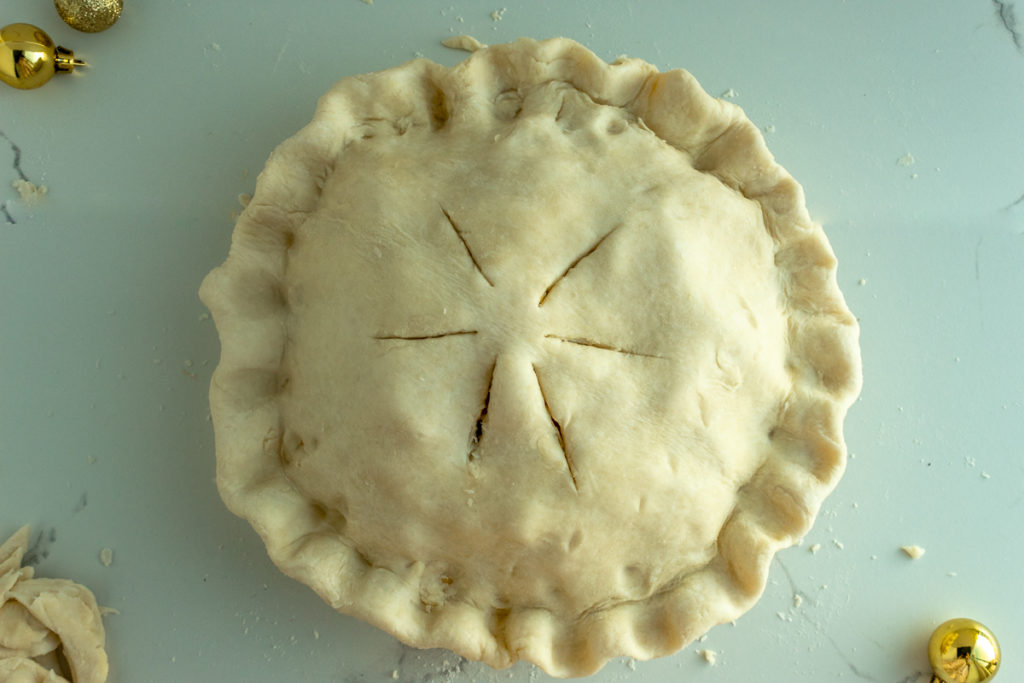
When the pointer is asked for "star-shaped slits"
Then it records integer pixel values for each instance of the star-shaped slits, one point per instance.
(480, 427)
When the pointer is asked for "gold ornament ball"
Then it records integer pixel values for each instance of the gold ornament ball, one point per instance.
(963, 651)
(28, 57)
(90, 16)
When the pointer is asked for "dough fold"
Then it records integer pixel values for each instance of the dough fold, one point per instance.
(46, 622)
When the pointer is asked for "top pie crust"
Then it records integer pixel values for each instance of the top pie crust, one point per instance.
(535, 357)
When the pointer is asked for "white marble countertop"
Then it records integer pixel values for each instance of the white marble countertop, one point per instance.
(903, 121)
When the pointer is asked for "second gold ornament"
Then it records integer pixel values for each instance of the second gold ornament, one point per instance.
(90, 16)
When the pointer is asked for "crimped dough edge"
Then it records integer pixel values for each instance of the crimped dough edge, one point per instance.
(773, 511)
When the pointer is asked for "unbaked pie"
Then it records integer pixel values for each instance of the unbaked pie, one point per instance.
(535, 357)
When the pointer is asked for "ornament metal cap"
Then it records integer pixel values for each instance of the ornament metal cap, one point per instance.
(963, 651)
(29, 58)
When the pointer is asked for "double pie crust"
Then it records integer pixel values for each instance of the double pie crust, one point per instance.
(535, 357)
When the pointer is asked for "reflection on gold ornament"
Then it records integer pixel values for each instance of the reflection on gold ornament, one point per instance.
(29, 58)
(963, 651)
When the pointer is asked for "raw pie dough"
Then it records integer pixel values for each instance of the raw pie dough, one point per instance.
(536, 357)
(44, 620)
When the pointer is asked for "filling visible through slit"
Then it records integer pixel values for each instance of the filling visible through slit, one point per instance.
(481, 420)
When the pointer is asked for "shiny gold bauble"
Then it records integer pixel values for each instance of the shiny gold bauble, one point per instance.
(28, 57)
(90, 16)
(963, 651)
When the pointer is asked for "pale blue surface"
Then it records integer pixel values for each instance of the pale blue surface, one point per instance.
(105, 354)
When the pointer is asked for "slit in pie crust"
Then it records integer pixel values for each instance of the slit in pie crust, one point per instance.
(535, 357)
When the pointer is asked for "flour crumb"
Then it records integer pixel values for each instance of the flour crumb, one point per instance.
(770, 128)
(109, 611)
(914, 552)
(215, 47)
(497, 14)
(29, 192)
(367, 2)
(985, 475)
(316, 634)
(906, 160)
(838, 543)
(710, 656)
(729, 94)
(394, 673)
(106, 557)
(814, 548)
(797, 600)
(467, 43)
(862, 281)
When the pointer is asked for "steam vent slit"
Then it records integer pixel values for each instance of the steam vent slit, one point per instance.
(465, 245)
(599, 345)
(559, 434)
(575, 263)
(420, 337)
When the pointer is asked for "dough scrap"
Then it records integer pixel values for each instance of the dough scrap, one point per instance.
(914, 552)
(465, 43)
(40, 618)
(536, 357)
(29, 192)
